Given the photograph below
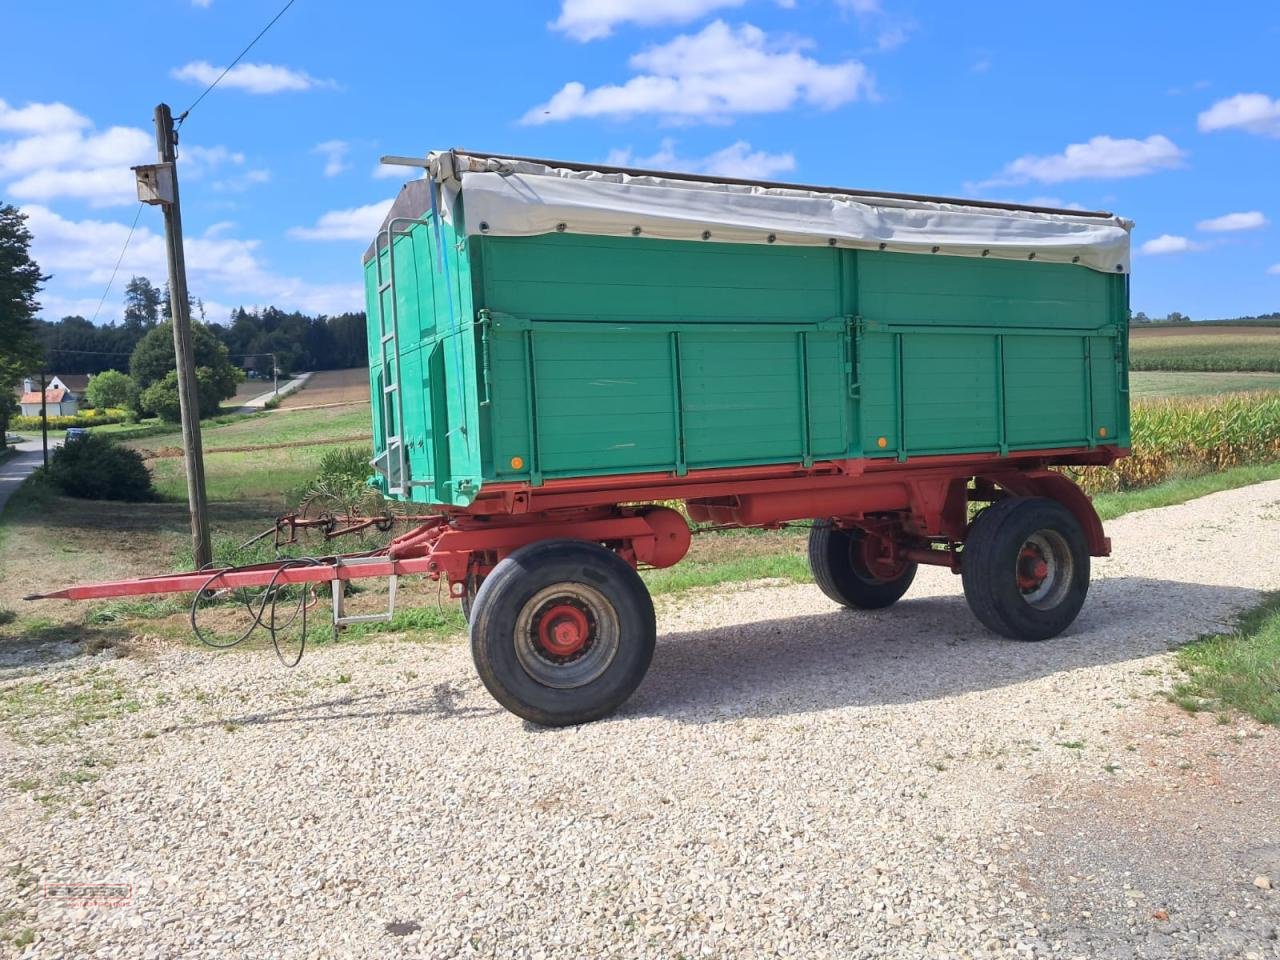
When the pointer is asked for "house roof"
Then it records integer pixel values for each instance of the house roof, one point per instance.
(52, 395)
(75, 382)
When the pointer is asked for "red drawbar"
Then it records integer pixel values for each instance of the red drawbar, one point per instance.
(911, 503)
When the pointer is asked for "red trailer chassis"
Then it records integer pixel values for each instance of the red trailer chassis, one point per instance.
(915, 510)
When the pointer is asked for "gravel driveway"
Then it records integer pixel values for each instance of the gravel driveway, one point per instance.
(791, 780)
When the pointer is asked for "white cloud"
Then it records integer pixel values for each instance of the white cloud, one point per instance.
(41, 118)
(356, 223)
(250, 77)
(737, 160)
(592, 19)
(59, 154)
(1100, 158)
(1250, 220)
(241, 182)
(203, 4)
(1168, 243)
(712, 75)
(335, 156)
(1253, 112)
(82, 253)
(1274, 269)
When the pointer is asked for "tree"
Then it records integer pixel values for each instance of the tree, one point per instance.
(20, 281)
(161, 398)
(141, 304)
(153, 360)
(111, 388)
(1141, 317)
(166, 307)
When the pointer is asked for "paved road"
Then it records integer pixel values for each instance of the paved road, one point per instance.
(20, 466)
(260, 402)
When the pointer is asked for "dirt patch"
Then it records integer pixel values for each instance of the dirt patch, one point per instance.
(331, 387)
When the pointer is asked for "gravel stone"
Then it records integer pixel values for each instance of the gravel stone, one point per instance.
(791, 780)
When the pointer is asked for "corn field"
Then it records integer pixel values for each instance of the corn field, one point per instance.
(1186, 436)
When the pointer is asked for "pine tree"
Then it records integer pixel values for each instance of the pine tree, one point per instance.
(20, 281)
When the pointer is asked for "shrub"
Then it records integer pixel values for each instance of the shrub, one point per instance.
(111, 388)
(96, 418)
(161, 398)
(342, 483)
(95, 468)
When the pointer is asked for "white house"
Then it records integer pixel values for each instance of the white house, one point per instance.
(62, 395)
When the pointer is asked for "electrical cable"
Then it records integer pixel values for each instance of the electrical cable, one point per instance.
(119, 260)
(268, 599)
(178, 121)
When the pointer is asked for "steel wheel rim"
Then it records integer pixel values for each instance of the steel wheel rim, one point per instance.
(567, 635)
(1044, 569)
(864, 560)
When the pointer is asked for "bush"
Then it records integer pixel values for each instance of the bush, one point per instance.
(161, 398)
(111, 388)
(96, 418)
(95, 468)
(341, 485)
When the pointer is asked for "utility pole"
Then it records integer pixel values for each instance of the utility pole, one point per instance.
(158, 184)
(44, 419)
(275, 376)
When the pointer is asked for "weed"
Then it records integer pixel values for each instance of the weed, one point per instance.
(1072, 744)
(1239, 670)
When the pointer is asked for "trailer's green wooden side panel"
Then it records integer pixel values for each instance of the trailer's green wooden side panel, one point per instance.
(565, 355)
(423, 365)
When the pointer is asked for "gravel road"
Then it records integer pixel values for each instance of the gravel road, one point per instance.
(792, 780)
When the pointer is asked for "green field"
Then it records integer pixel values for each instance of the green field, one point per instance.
(1223, 351)
(265, 457)
(1153, 384)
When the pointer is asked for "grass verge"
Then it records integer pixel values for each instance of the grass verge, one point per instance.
(1182, 489)
(1237, 671)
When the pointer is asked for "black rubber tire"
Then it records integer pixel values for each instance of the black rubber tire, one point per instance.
(468, 596)
(513, 583)
(988, 567)
(835, 557)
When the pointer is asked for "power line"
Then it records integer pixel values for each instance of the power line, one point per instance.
(119, 260)
(183, 115)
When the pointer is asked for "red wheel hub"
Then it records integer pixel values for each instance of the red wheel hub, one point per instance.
(1032, 568)
(876, 563)
(563, 630)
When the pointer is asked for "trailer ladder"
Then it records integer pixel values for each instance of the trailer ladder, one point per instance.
(391, 462)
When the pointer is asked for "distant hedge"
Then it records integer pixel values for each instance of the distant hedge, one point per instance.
(97, 418)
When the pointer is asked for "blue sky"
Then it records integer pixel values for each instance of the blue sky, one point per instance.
(1171, 120)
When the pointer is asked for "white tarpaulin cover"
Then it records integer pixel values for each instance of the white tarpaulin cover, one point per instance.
(509, 197)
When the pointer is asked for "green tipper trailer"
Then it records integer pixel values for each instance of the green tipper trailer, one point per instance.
(559, 351)
(549, 341)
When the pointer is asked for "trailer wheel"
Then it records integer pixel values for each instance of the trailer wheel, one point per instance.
(470, 587)
(1025, 568)
(843, 569)
(562, 632)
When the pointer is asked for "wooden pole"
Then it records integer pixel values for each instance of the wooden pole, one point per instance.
(44, 420)
(188, 396)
